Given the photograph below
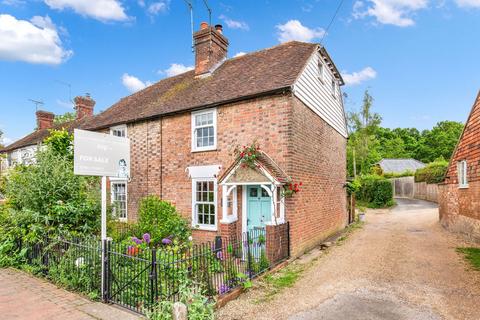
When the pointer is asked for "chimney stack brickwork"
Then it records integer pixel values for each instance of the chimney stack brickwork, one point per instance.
(44, 119)
(210, 48)
(84, 106)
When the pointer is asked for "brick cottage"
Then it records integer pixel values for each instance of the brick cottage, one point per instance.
(184, 130)
(459, 194)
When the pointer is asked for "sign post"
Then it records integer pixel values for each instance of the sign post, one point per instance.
(104, 155)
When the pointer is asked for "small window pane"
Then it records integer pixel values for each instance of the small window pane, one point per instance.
(253, 192)
(205, 202)
(265, 193)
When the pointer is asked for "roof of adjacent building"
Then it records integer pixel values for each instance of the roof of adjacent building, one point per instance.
(38, 136)
(400, 165)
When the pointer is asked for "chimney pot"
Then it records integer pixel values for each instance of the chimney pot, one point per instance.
(210, 48)
(44, 119)
(84, 106)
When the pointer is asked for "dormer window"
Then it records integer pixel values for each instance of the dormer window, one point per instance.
(204, 130)
(119, 131)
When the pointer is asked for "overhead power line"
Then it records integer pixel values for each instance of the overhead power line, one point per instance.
(331, 21)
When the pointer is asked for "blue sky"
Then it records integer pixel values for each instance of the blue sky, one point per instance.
(418, 58)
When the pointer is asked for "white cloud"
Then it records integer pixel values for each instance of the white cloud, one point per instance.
(157, 7)
(234, 24)
(103, 10)
(468, 3)
(355, 78)
(35, 41)
(394, 12)
(239, 54)
(294, 30)
(133, 84)
(6, 141)
(176, 68)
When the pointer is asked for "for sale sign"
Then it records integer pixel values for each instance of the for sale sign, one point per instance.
(100, 154)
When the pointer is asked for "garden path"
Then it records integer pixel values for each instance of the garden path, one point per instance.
(401, 265)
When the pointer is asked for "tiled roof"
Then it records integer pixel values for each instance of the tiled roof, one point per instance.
(400, 165)
(262, 72)
(238, 78)
(38, 136)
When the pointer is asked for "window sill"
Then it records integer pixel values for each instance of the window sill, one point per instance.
(204, 227)
(463, 187)
(204, 149)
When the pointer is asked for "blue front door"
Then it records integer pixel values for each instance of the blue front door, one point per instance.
(259, 207)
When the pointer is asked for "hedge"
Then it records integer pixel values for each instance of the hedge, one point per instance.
(434, 172)
(376, 191)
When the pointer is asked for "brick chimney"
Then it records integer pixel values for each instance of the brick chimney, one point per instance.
(44, 119)
(210, 48)
(84, 106)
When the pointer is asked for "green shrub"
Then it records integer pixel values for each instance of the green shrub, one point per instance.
(376, 191)
(434, 172)
(407, 173)
(161, 220)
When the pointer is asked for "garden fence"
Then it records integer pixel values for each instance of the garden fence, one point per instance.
(137, 277)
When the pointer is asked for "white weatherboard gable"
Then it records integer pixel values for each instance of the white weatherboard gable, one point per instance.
(318, 96)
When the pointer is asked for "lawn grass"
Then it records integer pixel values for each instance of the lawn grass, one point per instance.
(472, 255)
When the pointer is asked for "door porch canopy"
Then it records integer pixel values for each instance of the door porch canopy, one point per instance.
(266, 173)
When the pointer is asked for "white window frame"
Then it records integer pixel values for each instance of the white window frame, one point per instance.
(194, 127)
(112, 196)
(119, 128)
(462, 169)
(321, 70)
(334, 88)
(195, 224)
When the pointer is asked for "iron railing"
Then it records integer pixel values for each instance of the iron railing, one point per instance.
(137, 277)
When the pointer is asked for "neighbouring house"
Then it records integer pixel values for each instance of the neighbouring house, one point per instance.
(184, 131)
(399, 166)
(23, 151)
(459, 194)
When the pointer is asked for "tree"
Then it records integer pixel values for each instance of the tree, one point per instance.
(1, 140)
(362, 143)
(64, 118)
(440, 141)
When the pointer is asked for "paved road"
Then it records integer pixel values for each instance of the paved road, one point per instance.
(401, 265)
(24, 297)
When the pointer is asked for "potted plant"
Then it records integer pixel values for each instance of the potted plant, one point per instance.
(361, 213)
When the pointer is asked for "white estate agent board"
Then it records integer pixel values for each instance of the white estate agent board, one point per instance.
(100, 154)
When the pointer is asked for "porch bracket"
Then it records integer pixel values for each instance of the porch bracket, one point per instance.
(226, 218)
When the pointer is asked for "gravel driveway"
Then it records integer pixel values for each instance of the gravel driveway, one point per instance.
(401, 265)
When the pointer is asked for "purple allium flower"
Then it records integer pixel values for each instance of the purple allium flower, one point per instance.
(220, 255)
(166, 241)
(136, 240)
(146, 238)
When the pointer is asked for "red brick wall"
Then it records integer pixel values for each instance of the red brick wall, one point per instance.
(317, 157)
(460, 207)
(263, 119)
(294, 136)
